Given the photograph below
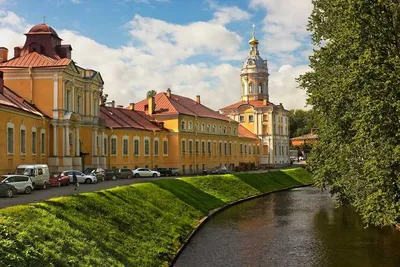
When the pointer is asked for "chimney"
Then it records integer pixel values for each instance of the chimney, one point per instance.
(151, 105)
(265, 102)
(17, 51)
(131, 106)
(169, 92)
(120, 106)
(3, 54)
(1, 83)
(198, 99)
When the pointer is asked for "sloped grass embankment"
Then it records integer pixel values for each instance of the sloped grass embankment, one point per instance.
(137, 225)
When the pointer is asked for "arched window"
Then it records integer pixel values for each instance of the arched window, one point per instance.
(183, 125)
(260, 88)
(250, 87)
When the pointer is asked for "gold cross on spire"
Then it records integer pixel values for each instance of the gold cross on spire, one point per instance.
(254, 30)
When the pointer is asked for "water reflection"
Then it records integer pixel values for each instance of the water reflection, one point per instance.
(293, 228)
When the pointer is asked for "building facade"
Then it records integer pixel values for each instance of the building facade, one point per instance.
(53, 111)
(254, 112)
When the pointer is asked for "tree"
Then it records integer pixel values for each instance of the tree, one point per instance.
(354, 89)
(151, 93)
(301, 122)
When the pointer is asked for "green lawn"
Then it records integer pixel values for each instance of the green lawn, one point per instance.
(138, 225)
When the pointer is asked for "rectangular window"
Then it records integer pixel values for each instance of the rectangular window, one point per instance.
(241, 149)
(156, 147)
(79, 104)
(203, 147)
(225, 149)
(113, 146)
(23, 142)
(34, 142)
(202, 127)
(220, 148)
(105, 145)
(190, 147)
(125, 147)
(254, 149)
(197, 147)
(136, 147)
(146, 147)
(67, 99)
(165, 147)
(245, 149)
(230, 148)
(241, 118)
(183, 147)
(43, 144)
(209, 148)
(10, 140)
(251, 118)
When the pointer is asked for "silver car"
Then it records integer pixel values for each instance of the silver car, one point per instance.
(82, 178)
(23, 183)
(144, 172)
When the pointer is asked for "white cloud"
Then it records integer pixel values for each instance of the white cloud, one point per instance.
(75, 1)
(157, 60)
(226, 14)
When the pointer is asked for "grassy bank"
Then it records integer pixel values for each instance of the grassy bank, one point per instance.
(138, 225)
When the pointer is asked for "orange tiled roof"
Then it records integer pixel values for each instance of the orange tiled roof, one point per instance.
(243, 132)
(10, 99)
(125, 118)
(254, 103)
(307, 136)
(35, 59)
(177, 104)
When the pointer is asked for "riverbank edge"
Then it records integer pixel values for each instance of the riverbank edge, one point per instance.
(214, 212)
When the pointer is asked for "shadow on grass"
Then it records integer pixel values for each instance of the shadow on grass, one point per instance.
(267, 182)
(190, 194)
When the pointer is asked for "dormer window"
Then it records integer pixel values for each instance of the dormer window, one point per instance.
(146, 107)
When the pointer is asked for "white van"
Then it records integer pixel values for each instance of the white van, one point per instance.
(39, 173)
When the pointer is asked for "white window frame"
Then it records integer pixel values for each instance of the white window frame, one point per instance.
(43, 142)
(125, 139)
(183, 125)
(22, 128)
(146, 140)
(183, 147)
(136, 138)
(34, 142)
(156, 152)
(10, 125)
(114, 153)
(203, 127)
(190, 126)
(105, 145)
(165, 140)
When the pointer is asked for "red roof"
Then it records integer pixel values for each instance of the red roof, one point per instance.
(10, 99)
(177, 104)
(35, 59)
(125, 118)
(253, 103)
(243, 132)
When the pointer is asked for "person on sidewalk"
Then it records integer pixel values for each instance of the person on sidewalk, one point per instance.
(75, 181)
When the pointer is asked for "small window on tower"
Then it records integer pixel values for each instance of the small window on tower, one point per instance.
(241, 118)
(251, 118)
(260, 88)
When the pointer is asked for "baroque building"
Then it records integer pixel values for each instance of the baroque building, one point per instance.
(257, 114)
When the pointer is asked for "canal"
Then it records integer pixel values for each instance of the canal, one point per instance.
(300, 227)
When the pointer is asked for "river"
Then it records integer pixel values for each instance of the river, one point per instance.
(299, 227)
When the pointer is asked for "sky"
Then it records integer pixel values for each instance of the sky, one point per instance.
(194, 47)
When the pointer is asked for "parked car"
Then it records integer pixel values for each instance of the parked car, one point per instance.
(82, 178)
(22, 183)
(125, 173)
(164, 171)
(98, 172)
(59, 179)
(143, 172)
(7, 190)
(39, 173)
(175, 171)
(112, 174)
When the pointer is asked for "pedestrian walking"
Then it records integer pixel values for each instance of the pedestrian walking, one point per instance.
(75, 181)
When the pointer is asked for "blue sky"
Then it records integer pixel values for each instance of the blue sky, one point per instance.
(192, 46)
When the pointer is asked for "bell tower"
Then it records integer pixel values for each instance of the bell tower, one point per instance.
(254, 74)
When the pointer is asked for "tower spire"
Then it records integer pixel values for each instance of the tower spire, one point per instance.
(254, 31)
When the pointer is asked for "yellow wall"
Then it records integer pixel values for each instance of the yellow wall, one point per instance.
(9, 162)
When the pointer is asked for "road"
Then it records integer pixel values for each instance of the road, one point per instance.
(51, 192)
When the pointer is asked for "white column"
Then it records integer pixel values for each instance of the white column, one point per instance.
(55, 137)
(260, 122)
(73, 99)
(77, 143)
(95, 142)
(256, 125)
(67, 145)
(101, 144)
(246, 90)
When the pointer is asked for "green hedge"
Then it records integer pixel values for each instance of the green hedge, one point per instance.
(137, 225)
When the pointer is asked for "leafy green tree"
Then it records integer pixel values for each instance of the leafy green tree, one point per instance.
(301, 122)
(151, 93)
(354, 89)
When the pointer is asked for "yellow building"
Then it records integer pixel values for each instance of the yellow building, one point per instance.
(53, 111)
(266, 120)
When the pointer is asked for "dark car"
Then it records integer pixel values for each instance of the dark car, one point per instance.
(59, 179)
(111, 174)
(175, 171)
(7, 190)
(164, 171)
(125, 173)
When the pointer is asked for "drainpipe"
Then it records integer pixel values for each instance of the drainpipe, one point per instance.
(31, 89)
